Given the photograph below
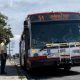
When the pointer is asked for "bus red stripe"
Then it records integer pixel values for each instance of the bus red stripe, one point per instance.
(38, 58)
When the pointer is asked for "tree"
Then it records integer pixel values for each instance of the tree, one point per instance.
(5, 33)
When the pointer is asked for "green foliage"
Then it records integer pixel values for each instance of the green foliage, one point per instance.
(5, 33)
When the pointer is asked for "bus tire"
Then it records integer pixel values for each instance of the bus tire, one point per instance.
(67, 68)
(26, 64)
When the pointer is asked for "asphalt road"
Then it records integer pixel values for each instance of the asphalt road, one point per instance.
(51, 74)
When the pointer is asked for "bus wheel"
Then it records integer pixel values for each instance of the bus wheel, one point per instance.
(67, 68)
(28, 65)
(24, 63)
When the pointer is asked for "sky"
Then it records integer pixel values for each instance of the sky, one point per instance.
(17, 11)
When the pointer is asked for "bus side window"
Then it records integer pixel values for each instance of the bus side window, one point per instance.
(26, 32)
(27, 38)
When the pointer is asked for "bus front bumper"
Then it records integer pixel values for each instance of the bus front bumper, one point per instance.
(50, 62)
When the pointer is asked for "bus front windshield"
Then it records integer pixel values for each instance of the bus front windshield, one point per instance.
(54, 32)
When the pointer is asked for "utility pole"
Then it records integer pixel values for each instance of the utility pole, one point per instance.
(10, 48)
(9, 51)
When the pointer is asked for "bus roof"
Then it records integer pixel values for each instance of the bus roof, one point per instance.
(53, 16)
(54, 13)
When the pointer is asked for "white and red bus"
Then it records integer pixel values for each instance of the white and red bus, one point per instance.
(51, 39)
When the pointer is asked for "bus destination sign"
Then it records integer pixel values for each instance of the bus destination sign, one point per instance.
(54, 17)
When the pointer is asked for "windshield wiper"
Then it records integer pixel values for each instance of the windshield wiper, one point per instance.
(44, 47)
(50, 46)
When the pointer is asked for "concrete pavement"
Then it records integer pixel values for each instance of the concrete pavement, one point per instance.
(12, 72)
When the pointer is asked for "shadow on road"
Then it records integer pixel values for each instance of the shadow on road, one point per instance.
(47, 73)
(37, 74)
(11, 70)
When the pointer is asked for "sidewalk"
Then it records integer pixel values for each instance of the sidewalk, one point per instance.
(12, 72)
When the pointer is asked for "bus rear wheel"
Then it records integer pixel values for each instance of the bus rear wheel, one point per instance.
(27, 64)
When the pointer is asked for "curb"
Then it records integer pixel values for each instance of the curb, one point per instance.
(21, 76)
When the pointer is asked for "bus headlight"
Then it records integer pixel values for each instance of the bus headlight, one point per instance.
(35, 54)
